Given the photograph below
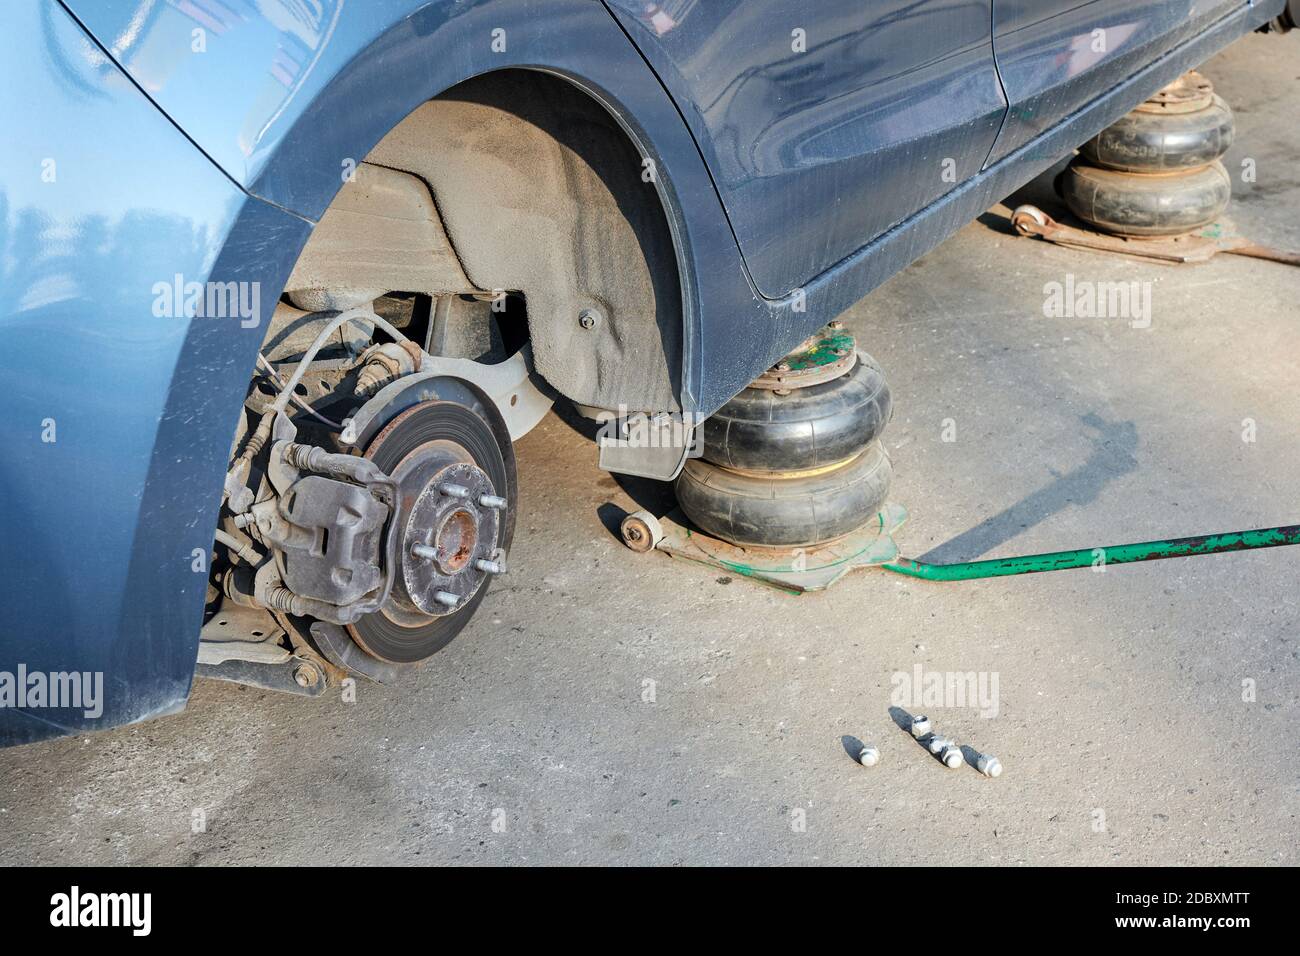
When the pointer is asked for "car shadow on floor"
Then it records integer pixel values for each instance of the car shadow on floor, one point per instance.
(1114, 445)
(647, 494)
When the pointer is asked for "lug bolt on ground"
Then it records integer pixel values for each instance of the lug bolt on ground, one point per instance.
(988, 765)
(868, 756)
(920, 726)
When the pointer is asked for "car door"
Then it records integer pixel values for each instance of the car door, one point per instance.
(1054, 56)
(825, 123)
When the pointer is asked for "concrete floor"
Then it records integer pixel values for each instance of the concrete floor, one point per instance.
(1120, 693)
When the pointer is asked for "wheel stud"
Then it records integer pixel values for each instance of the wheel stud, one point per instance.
(492, 501)
(454, 491)
(424, 551)
(488, 567)
(446, 598)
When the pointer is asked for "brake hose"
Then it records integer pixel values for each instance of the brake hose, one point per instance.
(263, 432)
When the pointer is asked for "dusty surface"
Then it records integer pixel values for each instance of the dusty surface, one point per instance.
(1121, 720)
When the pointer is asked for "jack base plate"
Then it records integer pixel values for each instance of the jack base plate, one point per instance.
(794, 570)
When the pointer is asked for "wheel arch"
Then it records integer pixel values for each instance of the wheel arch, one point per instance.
(580, 48)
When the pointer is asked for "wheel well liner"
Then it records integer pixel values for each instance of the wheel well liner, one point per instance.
(540, 191)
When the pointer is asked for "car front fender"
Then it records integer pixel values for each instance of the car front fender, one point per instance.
(120, 404)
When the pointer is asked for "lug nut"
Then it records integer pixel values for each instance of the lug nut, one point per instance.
(988, 765)
(454, 491)
(492, 501)
(487, 567)
(951, 756)
(920, 725)
(446, 598)
(868, 756)
(937, 744)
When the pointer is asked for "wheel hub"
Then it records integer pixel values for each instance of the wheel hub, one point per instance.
(454, 541)
(448, 533)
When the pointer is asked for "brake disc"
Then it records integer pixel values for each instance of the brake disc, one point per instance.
(454, 490)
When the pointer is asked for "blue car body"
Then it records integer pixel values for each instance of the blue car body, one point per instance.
(804, 153)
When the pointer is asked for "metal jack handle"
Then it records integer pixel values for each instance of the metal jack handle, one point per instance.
(1085, 557)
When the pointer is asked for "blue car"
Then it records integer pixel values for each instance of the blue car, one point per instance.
(281, 281)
